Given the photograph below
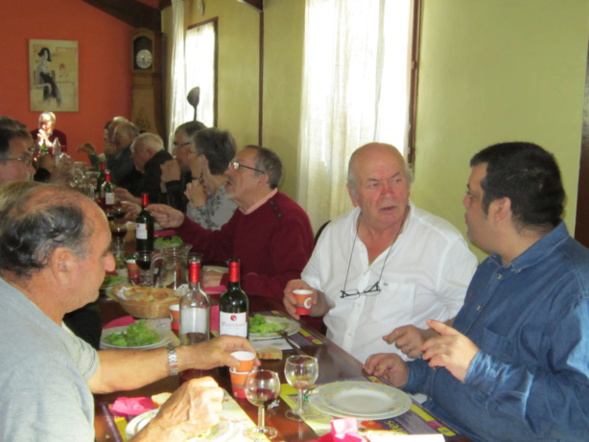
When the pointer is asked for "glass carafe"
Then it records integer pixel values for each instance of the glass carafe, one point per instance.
(170, 266)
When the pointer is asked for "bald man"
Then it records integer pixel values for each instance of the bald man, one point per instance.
(381, 270)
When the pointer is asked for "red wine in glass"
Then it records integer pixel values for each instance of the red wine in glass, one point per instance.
(143, 262)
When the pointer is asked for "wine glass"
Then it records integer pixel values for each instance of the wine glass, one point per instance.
(301, 371)
(118, 231)
(261, 388)
(143, 260)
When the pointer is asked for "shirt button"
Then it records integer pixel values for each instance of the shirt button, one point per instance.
(479, 308)
(499, 276)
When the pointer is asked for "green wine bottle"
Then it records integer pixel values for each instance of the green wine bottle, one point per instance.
(144, 227)
(233, 305)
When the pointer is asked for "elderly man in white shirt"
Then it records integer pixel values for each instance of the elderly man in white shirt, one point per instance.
(381, 270)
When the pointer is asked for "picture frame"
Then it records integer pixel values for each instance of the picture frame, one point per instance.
(53, 75)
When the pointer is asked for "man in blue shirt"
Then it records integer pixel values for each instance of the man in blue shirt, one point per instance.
(515, 364)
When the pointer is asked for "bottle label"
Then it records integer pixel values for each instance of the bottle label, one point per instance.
(141, 231)
(109, 198)
(233, 324)
(193, 320)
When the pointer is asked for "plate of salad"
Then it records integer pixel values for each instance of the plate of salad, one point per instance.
(267, 327)
(135, 336)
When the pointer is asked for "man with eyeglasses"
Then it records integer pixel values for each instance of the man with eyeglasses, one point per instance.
(176, 174)
(269, 232)
(381, 270)
(15, 151)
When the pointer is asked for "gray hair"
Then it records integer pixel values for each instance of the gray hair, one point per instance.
(45, 115)
(149, 140)
(36, 219)
(268, 161)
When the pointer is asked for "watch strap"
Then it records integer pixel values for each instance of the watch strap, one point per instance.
(172, 360)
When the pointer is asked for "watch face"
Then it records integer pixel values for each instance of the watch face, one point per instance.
(143, 59)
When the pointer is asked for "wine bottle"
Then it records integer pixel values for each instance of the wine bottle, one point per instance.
(233, 305)
(194, 308)
(144, 227)
(107, 193)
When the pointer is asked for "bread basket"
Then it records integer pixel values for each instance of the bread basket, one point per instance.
(145, 302)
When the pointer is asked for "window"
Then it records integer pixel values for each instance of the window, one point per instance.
(355, 90)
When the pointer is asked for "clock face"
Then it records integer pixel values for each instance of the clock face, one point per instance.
(143, 59)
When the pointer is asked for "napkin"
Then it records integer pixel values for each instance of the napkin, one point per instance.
(343, 430)
(132, 406)
(119, 322)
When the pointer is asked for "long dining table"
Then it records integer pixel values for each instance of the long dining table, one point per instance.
(335, 364)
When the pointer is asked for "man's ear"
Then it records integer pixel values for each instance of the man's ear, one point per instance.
(500, 209)
(351, 194)
(61, 264)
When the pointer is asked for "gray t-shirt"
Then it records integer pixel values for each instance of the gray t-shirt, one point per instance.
(44, 369)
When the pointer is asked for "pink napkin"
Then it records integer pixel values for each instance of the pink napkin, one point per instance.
(343, 430)
(215, 290)
(119, 322)
(164, 233)
(132, 406)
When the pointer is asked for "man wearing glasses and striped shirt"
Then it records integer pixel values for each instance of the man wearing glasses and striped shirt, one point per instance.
(381, 270)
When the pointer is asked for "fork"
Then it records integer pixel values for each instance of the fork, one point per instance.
(284, 336)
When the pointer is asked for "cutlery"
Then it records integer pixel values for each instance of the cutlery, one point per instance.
(294, 346)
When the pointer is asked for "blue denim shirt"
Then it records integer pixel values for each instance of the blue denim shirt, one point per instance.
(530, 320)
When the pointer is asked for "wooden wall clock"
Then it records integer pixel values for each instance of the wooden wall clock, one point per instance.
(147, 93)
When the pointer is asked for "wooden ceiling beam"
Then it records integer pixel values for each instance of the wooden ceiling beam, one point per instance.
(132, 12)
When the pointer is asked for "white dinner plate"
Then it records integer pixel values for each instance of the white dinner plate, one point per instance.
(225, 430)
(365, 400)
(291, 327)
(163, 339)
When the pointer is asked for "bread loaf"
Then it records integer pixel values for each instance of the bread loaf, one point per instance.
(269, 352)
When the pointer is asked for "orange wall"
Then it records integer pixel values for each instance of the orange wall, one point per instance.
(103, 57)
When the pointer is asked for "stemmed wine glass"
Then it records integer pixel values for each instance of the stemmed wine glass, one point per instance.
(143, 260)
(301, 372)
(261, 388)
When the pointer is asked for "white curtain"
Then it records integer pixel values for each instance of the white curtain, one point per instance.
(200, 70)
(178, 72)
(355, 90)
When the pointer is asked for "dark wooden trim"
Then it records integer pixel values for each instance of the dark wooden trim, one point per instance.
(261, 85)
(582, 219)
(165, 4)
(258, 5)
(414, 82)
(132, 12)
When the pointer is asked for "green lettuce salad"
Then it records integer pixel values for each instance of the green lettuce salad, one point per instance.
(162, 242)
(260, 326)
(136, 335)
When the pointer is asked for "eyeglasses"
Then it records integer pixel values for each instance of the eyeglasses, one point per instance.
(353, 294)
(375, 288)
(236, 165)
(178, 146)
(27, 160)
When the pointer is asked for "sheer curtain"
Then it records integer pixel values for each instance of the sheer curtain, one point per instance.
(193, 64)
(178, 72)
(200, 70)
(355, 90)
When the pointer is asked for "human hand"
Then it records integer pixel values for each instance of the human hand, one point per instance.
(125, 195)
(409, 339)
(211, 278)
(214, 353)
(46, 162)
(290, 301)
(388, 365)
(87, 148)
(451, 350)
(171, 171)
(166, 216)
(109, 149)
(132, 209)
(196, 193)
(193, 409)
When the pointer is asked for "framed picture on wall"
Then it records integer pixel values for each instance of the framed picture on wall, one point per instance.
(53, 72)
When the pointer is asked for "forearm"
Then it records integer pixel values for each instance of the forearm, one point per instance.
(129, 369)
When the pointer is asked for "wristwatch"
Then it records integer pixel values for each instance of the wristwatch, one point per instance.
(172, 360)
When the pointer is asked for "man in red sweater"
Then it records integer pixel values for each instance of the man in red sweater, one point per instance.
(270, 233)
